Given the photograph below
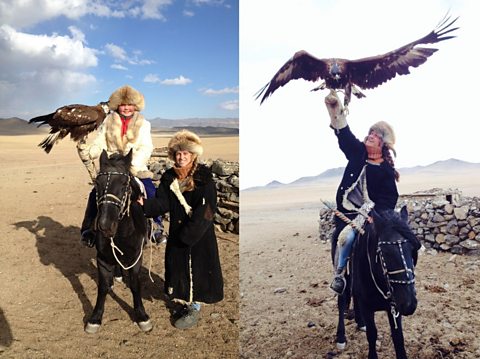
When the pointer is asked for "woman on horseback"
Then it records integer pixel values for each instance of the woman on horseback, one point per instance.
(192, 264)
(123, 129)
(369, 181)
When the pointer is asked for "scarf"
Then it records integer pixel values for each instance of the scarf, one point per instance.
(374, 154)
(184, 180)
(125, 122)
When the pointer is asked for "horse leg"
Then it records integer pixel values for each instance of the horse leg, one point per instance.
(340, 337)
(369, 318)
(140, 315)
(397, 336)
(105, 280)
(358, 315)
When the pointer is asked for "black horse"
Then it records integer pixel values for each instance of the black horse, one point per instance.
(121, 229)
(384, 259)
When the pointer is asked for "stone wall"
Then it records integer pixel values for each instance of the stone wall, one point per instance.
(443, 220)
(225, 176)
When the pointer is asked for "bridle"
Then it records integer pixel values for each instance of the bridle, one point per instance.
(409, 273)
(122, 203)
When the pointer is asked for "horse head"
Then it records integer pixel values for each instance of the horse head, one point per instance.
(396, 251)
(113, 191)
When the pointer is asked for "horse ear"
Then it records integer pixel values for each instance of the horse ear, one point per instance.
(103, 157)
(130, 155)
(404, 214)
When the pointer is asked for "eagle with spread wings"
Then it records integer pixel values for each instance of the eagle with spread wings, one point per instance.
(366, 73)
(76, 120)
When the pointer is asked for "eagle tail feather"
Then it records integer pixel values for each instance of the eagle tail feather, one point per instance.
(50, 140)
(42, 120)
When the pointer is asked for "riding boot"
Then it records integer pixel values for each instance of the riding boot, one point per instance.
(88, 231)
(339, 283)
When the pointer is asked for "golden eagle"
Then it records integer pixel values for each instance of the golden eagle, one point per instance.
(76, 120)
(366, 73)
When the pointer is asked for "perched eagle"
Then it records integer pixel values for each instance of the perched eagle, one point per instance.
(366, 73)
(76, 120)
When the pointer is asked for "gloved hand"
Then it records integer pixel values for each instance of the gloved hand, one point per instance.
(338, 116)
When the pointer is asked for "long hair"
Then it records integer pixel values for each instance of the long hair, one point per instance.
(387, 156)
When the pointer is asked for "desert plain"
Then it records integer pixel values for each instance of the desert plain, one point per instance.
(287, 309)
(48, 277)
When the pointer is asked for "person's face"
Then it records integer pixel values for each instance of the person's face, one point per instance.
(373, 139)
(183, 158)
(126, 110)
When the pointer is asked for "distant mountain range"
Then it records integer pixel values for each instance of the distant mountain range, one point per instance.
(439, 167)
(15, 126)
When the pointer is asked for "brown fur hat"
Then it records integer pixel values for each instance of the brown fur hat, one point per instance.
(126, 95)
(385, 131)
(184, 140)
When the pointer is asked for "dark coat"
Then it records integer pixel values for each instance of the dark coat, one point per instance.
(381, 185)
(192, 263)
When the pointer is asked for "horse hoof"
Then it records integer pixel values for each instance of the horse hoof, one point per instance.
(118, 279)
(145, 326)
(92, 328)
(362, 328)
(341, 346)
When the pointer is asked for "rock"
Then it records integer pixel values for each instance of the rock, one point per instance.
(470, 244)
(461, 213)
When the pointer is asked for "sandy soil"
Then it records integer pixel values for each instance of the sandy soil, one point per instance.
(287, 310)
(48, 278)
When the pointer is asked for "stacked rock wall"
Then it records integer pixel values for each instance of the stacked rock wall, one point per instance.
(442, 221)
(225, 176)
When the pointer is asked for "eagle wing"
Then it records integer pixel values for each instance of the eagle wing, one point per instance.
(371, 72)
(301, 66)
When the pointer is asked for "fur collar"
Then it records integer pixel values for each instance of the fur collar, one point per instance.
(202, 175)
(115, 140)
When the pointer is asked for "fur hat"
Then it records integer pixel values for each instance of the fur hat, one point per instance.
(385, 131)
(184, 140)
(126, 95)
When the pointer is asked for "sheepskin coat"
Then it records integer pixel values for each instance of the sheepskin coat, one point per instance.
(137, 137)
(381, 185)
(192, 264)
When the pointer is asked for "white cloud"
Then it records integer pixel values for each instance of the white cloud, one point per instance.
(41, 68)
(230, 105)
(226, 90)
(20, 14)
(176, 81)
(152, 9)
(119, 67)
(188, 13)
(152, 78)
(119, 54)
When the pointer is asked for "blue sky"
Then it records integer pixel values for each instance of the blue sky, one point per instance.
(433, 110)
(181, 54)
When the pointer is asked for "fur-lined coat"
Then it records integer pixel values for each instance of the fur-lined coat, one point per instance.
(192, 264)
(380, 178)
(137, 137)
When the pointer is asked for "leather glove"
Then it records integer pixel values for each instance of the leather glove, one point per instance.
(338, 117)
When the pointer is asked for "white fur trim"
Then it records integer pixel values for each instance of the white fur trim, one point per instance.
(175, 188)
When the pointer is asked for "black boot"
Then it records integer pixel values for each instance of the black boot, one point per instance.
(339, 283)
(88, 231)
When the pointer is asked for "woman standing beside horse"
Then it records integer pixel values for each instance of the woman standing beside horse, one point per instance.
(192, 265)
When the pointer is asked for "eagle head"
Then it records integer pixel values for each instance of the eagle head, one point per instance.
(104, 106)
(335, 71)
